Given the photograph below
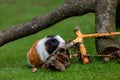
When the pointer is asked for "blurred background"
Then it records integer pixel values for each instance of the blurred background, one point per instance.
(13, 54)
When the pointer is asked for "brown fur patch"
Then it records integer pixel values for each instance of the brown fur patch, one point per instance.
(33, 57)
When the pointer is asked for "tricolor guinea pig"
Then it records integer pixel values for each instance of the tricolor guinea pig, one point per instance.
(41, 49)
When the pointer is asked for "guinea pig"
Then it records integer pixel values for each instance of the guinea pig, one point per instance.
(41, 49)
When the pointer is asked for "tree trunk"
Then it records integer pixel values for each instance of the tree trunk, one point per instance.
(105, 22)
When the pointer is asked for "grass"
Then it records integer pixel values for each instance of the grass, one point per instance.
(13, 64)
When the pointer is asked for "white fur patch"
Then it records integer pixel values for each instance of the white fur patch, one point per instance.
(43, 54)
(62, 41)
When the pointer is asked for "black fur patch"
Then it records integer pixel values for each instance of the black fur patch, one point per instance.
(51, 44)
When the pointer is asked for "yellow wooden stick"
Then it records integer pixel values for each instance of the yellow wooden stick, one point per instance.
(79, 39)
(100, 34)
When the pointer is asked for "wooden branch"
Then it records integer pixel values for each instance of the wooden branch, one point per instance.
(68, 9)
(101, 34)
(79, 39)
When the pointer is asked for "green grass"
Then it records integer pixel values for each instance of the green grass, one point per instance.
(13, 64)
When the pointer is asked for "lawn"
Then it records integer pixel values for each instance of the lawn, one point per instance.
(13, 63)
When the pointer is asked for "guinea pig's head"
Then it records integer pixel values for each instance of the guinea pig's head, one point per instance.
(53, 42)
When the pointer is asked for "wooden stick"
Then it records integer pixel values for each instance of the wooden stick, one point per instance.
(91, 55)
(100, 55)
(100, 34)
(79, 39)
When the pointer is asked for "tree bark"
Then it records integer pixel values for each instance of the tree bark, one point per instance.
(105, 22)
(68, 9)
